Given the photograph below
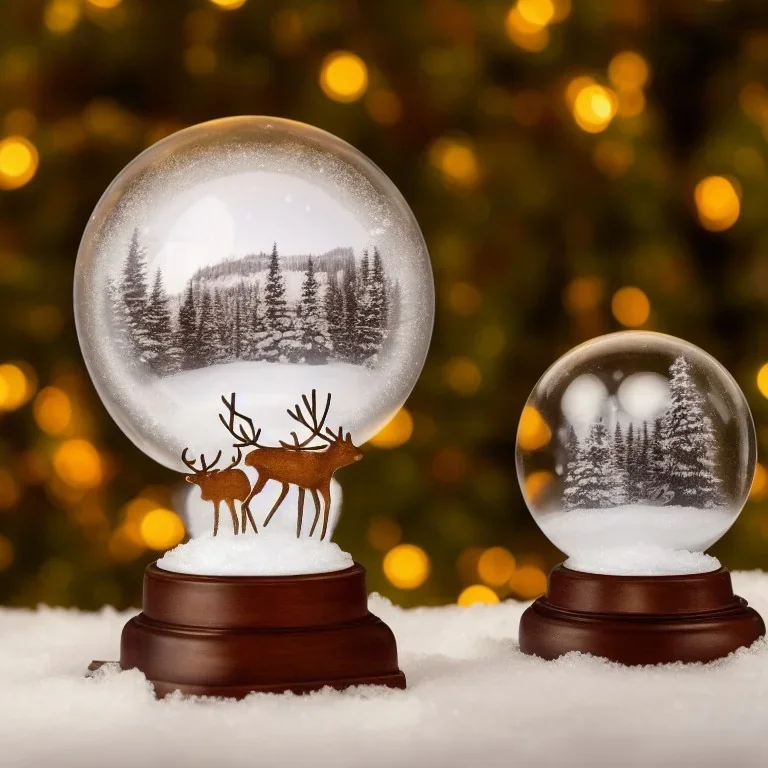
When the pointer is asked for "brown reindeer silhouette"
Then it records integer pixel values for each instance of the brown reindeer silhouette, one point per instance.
(306, 465)
(217, 485)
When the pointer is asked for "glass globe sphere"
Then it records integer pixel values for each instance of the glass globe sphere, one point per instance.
(256, 256)
(635, 452)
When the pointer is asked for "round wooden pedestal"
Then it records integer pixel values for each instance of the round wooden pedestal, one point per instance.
(639, 619)
(229, 636)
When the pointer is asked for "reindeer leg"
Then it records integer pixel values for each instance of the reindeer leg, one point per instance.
(279, 501)
(325, 492)
(231, 504)
(257, 488)
(247, 512)
(316, 499)
(301, 512)
(216, 517)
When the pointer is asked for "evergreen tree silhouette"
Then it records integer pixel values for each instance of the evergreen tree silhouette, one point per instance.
(573, 498)
(133, 292)
(187, 332)
(349, 346)
(276, 318)
(315, 344)
(334, 314)
(162, 355)
(207, 333)
(619, 470)
(379, 293)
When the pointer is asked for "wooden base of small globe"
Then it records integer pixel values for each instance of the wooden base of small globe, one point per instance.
(639, 619)
(230, 636)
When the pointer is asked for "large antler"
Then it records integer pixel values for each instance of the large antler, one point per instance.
(205, 467)
(241, 435)
(315, 427)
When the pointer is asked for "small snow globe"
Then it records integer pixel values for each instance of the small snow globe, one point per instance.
(254, 300)
(635, 453)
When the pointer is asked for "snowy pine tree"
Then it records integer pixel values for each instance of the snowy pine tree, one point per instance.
(207, 332)
(314, 337)
(690, 443)
(619, 468)
(186, 339)
(593, 476)
(572, 497)
(657, 484)
(273, 345)
(133, 293)
(379, 293)
(348, 341)
(334, 315)
(162, 353)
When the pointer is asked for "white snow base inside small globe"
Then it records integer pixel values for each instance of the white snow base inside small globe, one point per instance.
(638, 539)
(277, 553)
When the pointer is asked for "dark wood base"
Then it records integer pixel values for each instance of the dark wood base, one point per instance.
(639, 619)
(230, 636)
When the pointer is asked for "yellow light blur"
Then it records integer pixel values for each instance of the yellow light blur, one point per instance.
(406, 566)
(21, 121)
(384, 533)
(528, 581)
(384, 106)
(759, 489)
(491, 341)
(477, 593)
(575, 86)
(200, 60)
(717, 203)
(538, 13)
(525, 34)
(161, 529)
(228, 5)
(593, 108)
(562, 10)
(537, 482)
(52, 410)
(16, 386)
(630, 306)
(396, 432)
(533, 432)
(60, 16)
(462, 375)
(123, 545)
(464, 299)
(456, 161)
(613, 158)
(762, 380)
(18, 162)
(6, 553)
(78, 464)
(496, 566)
(631, 103)
(105, 4)
(628, 70)
(343, 76)
(583, 294)
(10, 493)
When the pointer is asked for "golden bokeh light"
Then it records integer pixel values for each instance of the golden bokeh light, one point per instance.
(462, 375)
(528, 581)
(525, 34)
(10, 492)
(343, 76)
(53, 410)
(17, 385)
(396, 432)
(762, 380)
(496, 566)
(406, 566)
(20, 120)
(18, 162)
(613, 158)
(491, 341)
(759, 489)
(594, 107)
(628, 70)
(78, 464)
(537, 482)
(583, 294)
(125, 544)
(631, 103)
(630, 306)
(60, 16)
(464, 299)
(575, 86)
(384, 533)
(477, 593)
(533, 432)
(537, 13)
(717, 203)
(161, 529)
(105, 5)
(6, 553)
(457, 162)
(228, 5)
(384, 106)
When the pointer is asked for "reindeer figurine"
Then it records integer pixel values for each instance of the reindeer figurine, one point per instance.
(217, 485)
(306, 465)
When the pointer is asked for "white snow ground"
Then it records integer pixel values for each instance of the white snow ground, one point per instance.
(274, 553)
(473, 699)
(636, 539)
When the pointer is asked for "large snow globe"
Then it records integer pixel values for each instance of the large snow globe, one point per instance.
(636, 453)
(254, 300)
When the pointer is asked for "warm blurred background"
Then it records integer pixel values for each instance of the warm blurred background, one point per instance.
(577, 167)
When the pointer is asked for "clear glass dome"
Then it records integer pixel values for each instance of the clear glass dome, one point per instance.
(635, 452)
(258, 256)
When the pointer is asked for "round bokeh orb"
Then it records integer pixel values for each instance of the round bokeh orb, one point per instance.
(257, 256)
(635, 453)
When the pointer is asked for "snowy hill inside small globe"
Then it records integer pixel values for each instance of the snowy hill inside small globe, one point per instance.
(635, 454)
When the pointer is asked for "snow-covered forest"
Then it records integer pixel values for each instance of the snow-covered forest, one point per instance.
(261, 307)
(669, 461)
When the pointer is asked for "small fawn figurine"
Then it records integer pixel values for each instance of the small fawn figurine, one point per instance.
(306, 465)
(217, 485)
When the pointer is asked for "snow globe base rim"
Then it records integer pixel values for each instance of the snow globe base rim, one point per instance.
(229, 636)
(637, 620)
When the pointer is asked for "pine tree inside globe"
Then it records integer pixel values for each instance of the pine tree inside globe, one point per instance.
(254, 300)
(635, 453)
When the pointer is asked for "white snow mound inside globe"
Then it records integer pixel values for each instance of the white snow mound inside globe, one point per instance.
(635, 453)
